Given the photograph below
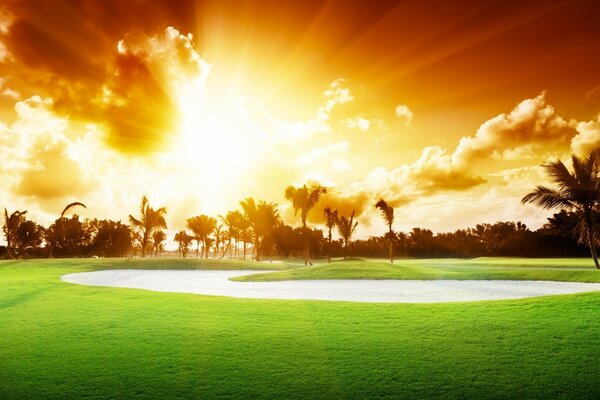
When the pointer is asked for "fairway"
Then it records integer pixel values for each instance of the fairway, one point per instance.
(70, 341)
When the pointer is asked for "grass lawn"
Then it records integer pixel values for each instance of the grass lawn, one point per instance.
(549, 269)
(59, 340)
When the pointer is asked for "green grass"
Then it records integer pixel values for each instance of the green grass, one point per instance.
(59, 340)
(575, 269)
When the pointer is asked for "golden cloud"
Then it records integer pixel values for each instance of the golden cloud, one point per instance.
(532, 125)
(53, 174)
(139, 104)
(588, 136)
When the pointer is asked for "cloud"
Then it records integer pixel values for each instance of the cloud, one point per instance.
(6, 20)
(343, 202)
(358, 123)
(532, 126)
(6, 91)
(404, 114)
(140, 103)
(52, 174)
(588, 136)
(435, 171)
(337, 93)
(39, 164)
(324, 151)
(432, 172)
(282, 132)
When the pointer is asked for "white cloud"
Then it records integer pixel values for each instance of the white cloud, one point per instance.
(404, 114)
(358, 123)
(588, 136)
(279, 131)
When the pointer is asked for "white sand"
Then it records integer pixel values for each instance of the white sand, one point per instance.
(217, 283)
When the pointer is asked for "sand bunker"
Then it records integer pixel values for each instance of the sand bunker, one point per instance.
(217, 283)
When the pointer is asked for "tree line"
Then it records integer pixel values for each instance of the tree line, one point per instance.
(256, 230)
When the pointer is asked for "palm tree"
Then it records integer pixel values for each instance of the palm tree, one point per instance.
(387, 212)
(577, 190)
(148, 221)
(241, 225)
(250, 213)
(158, 239)
(331, 221)
(202, 226)
(267, 219)
(346, 227)
(218, 235)
(59, 224)
(304, 199)
(184, 240)
(230, 222)
(69, 206)
(11, 224)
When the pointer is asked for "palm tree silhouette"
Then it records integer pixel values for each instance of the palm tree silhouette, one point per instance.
(304, 199)
(69, 206)
(59, 224)
(183, 239)
(250, 213)
(267, 219)
(387, 212)
(148, 221)
(11, 223)
(577, 190)
(202, 226)
(346, 227)
(331, 221)
(158, 239)
(230, 222)
(218, 235)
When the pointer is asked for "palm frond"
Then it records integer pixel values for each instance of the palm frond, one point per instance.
(548, 198)
(71, 205)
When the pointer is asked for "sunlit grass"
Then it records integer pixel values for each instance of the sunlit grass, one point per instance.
(576, 269)
(59, 340)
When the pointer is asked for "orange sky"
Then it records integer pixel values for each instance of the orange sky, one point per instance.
(444, 108)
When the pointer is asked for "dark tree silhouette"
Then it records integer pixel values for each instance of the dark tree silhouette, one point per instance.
(331, 219)
(11, 224)
(251, 215)
(304, 199)
(387, 212)
(267, 220)
(577, 190)
(158, 242)
(346, 227)
(148, 221)
(202, 226)
(184, 240)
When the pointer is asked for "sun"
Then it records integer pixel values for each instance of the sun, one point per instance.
(213, 141)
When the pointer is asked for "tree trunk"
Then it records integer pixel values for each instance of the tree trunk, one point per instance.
(144, 245)
(391, 233)
(244, 245)
(329, 247)
(307, 260)
(591, 244)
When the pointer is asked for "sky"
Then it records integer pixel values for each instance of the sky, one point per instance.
(444, 109)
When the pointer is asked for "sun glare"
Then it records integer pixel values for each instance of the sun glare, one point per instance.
(212, 143)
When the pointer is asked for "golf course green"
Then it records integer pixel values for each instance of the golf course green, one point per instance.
(59, 340)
